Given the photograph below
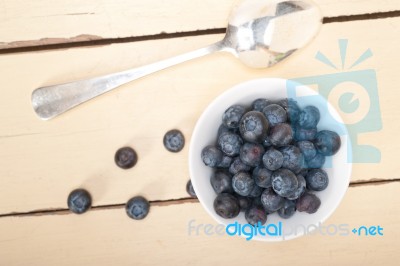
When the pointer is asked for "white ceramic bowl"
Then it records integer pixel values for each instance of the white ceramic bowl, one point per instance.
(338, 169)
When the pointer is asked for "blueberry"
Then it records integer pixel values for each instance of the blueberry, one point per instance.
(327, 142)
(256, 191)
(303, 172)
(309, 117)
(308, 203)
(255, 215)
(307, 149)
(251, 154)
(301, 188)
(174, 141)
(271, 201)
(260, 104)
(317, 161)
(293, 111)
(137, 208)
(272, 159)
(281, 134)
(266, 142)
(243, 183)
(190, 189)
(317, 180)
(275, 114)
(304, 134)
(79, 201)
(253, 127)
(262, 177)
(226, 162)
(232, 116)
(211, 156)
(125, 157)
(292, 158)
(284, 182)
(244, 202)
(221, 181)
(238, 166)
(288, 209)
(222, 129)
(226, 205)
(230, 143)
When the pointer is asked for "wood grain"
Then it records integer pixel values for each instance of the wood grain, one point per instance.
(49, 22)
(109, 237)
(41, 162)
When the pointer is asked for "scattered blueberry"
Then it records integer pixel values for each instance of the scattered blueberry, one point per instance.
(226, 162)
(281, 135)
(288, 209)
(301, 188)
(174, 141)
(293, 111)
(251, 154)
(275, 114)
(232, 116)
(125, 157)
(308, 203)
(243, 183)
(271, 201)
(272, 159)
(137, 208)
(79, 201)
(327, 142)
(292, 158)
(262, 177)
(244, 202)
(255, 215)
(226, 205)
(304, 134)
(309, 117)
(260, 104)
(190, 189)
(223, 129)
(238, 166)
(221, 181)
(307, 149)
(253, 127)
(211, 156)
(230, 143)
(317, 180)
(317, 161)
(284, 182)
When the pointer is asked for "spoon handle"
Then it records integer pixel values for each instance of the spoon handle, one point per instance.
(51, 101)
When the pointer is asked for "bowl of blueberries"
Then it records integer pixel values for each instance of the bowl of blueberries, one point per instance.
(273, 154)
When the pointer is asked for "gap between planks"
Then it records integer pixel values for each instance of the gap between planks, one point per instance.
(162, 203)
(164, 35)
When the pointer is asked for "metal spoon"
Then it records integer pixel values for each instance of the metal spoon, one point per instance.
(260, 33)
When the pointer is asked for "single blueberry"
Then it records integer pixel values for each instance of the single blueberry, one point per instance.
(266, 142)
(284, 182)
(293, 111)
(309, 117)
(304, 134)
(262, 177)
(317, 180)
(308, 203)
(238, 166)
(126, 157)
(256, 215)
(232, 116)
(251, 154)
(292, 158)
(221, 181)
(190, 189)
(301, 188)
(244, 202)
(174, 141)
(307, 149)
(79, 201)
(303, 172)
(222, 129)
(226, 162)
(288, 209)
(327, 142)
(281, 134)
(230, 143)
(137, 208)
(317, 161)
(243, 183)
(211, 156)
(272, 159)
(275, 114)
(271, 201)
(253, 127)
(256, 191)
(226, 205)
(260, 104)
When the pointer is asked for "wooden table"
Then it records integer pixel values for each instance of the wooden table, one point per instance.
(45, 42)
